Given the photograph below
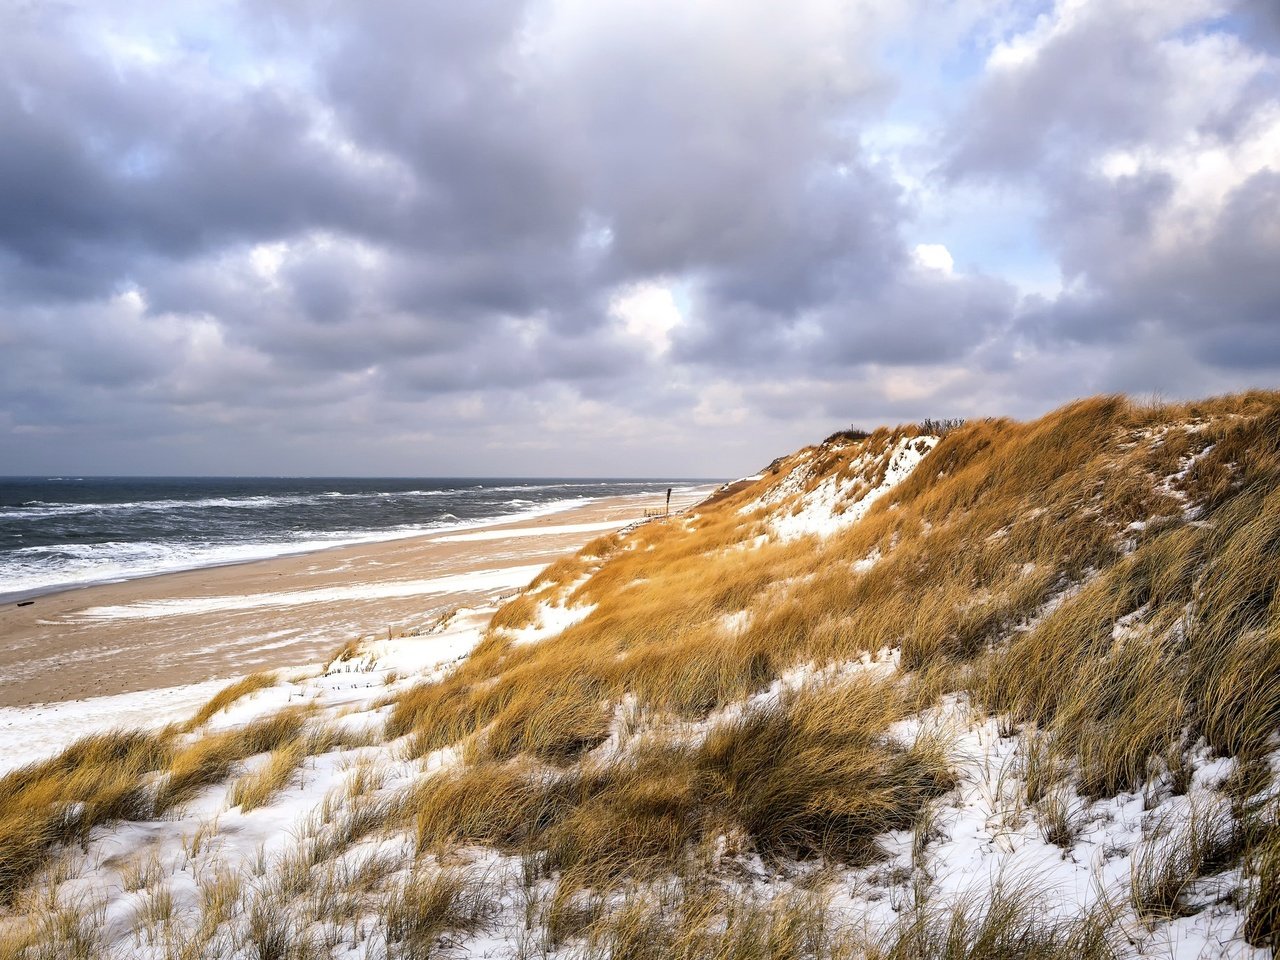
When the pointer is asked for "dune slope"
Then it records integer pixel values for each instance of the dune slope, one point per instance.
(995, 689)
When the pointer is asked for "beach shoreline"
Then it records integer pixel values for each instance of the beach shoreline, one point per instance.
(26, 598)
(147, 527)
(195, 626)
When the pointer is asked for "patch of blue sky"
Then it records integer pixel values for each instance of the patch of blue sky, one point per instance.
(937, 66)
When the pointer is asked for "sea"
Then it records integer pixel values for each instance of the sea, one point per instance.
(61, 532)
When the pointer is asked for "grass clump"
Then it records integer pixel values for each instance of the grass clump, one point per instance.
(1205, 841)
(1061, 818)
(256, 789)
(1008, 925)
(1262, 903)
(229, 695)
(790, 927)
(814, 775)
(557, 725)
(502, 805)
(55, 929)
(430, 904)
(210, 759)
(272, 933)
(516, 613)
(98, 779)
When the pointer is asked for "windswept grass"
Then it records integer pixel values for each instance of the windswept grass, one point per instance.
(96, 780)
(557, 725)
(53, 929)
(1102, 581)
(1262, 902)
(117, 776)
(1006, 924)
(815, 774)
(1208, 840)
(210, 759)
(256, 789)
(229, 695)
(795, 927)
(430, 904)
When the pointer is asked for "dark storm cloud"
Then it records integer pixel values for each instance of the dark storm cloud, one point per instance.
(101, 162)
(1125, 131)
(1218, 289)
(1100, 82)
(1264, 17)
(922, 316)
(415, 222)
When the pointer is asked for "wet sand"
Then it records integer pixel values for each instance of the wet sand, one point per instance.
(200, 625)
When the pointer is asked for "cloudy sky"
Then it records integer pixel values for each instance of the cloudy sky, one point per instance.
(616, 237)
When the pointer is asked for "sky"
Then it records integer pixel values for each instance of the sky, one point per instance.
(616, 237)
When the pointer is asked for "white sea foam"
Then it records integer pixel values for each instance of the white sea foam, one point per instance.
(137, 541)
(41, 569)
(37, 509)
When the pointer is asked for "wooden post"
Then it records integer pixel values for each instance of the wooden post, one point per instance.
(668, 501)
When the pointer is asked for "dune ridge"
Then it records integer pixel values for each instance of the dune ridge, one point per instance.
(985, 689)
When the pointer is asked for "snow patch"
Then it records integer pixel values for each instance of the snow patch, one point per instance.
(835, 504)
(479, 580)
(550, 620)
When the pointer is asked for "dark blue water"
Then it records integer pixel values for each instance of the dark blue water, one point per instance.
(58, 532)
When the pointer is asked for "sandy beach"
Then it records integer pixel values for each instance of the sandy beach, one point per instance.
(197, 626)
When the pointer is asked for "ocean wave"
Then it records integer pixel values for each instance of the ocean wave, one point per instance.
(31, 570)
(44, 509)
(58, 566)
(38, 509)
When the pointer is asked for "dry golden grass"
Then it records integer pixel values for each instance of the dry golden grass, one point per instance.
(793, 927)
(1103, 580)
(562, 571)
(1060, 817)
(142, 872)
(503, 805)
(229, 695)
(1262, 921)
(1235, 629)
(212, 758)
(1007, 926)
(345, 653)
(814, 775)
(98, 779)
(516, 613)
(1174, 640)
(602, 547)
(272, 933)
(557, 725)
(430, 904)
(440, 713)
(1170, 859)
(258, 788)
(54, 929)
(219, 893)
(1049, 569)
